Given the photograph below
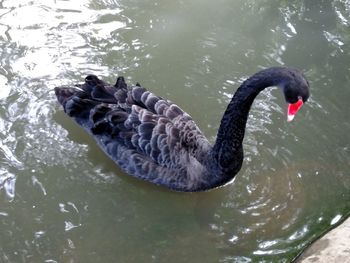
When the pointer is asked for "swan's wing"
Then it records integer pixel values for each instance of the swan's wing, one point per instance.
(148, 136)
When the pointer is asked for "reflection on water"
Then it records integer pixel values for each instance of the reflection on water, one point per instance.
(62, 200)
(7, 183)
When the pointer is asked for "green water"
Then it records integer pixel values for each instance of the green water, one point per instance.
(63, 200)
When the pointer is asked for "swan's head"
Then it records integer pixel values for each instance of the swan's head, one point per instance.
(296, 91)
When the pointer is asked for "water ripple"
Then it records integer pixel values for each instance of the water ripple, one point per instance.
(7, 184)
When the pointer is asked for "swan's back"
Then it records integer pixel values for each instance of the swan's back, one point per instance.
(147, 136)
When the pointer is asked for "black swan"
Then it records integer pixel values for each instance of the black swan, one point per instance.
(153, 139)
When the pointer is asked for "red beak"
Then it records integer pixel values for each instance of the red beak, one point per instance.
(293, 109)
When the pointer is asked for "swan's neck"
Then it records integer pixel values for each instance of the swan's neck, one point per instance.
(227, 151)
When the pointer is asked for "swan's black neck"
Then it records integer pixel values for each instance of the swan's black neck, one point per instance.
(227, 151)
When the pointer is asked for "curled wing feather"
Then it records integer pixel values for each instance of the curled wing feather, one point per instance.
(148, 136)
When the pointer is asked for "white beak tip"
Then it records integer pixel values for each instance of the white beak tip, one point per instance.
(290, 118)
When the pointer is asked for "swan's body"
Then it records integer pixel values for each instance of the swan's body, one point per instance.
(155, 140)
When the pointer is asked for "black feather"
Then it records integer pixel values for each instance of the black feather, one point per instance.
(146, 129)
(120, 84)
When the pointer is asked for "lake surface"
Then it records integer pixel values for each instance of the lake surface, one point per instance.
(63, 200)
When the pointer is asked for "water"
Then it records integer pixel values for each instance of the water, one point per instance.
(63, 200)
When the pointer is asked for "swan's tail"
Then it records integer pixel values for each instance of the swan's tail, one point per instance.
(78, 100)
(64, 93)
(75, 102)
